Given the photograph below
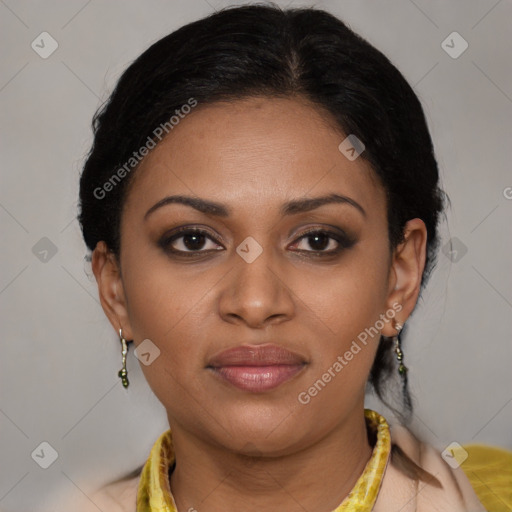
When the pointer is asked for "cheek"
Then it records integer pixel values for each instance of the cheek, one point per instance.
(348, 297)
(171, 309)
(160, 295)
(345, 305)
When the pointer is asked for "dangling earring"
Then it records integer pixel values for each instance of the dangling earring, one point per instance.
(402, 369)
(123, 373)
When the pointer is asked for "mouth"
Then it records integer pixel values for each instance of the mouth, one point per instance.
(257, 368)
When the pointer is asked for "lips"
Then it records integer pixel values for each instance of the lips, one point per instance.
(257, 368)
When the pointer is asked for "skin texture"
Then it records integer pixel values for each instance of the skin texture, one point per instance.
(259, 451)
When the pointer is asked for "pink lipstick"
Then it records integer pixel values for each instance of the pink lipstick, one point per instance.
(257, 368)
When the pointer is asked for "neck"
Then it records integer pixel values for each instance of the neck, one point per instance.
(316, 478)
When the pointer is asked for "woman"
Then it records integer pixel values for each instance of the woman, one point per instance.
(262, 203)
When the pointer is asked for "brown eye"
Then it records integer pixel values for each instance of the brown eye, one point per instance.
(319, 240)
(188, 240)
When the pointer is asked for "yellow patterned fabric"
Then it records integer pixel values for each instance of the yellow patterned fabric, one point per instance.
(154, 494)
(363, 495)
(489, 469)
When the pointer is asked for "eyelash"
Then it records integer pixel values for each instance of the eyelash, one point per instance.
(344, 242)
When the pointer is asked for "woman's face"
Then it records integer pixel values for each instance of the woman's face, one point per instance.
(252, 278)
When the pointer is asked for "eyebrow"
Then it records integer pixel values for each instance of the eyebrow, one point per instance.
(289, 208)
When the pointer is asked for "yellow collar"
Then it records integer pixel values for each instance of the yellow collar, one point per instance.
(154, 494)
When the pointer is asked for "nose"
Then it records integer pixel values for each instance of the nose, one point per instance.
(256, 293)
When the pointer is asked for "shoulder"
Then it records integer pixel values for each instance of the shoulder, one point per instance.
(122, 495)
(115, 497)
(448, 491)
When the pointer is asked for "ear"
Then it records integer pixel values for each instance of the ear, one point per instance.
(110, 288)
(405, 274)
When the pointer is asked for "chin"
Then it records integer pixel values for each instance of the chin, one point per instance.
(268, 428)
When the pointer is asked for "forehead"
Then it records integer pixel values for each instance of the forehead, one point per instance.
(255, 151)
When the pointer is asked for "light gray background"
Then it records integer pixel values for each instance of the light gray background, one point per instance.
(59, 355)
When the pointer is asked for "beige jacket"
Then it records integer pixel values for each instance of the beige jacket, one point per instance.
(398, 493)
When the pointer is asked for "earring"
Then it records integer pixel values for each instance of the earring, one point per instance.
(123, 373)
(402, 369)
